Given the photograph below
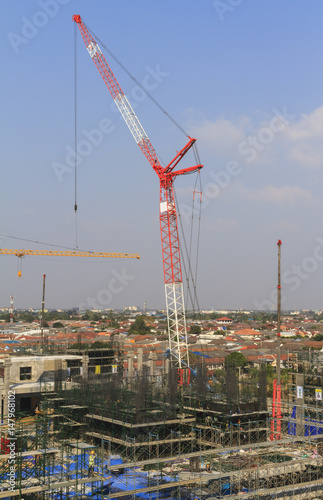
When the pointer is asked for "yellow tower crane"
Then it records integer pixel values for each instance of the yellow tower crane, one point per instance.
(66, 253)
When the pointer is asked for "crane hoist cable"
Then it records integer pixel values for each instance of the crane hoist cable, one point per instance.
(188, 251)
(197, 191)
(200, 193)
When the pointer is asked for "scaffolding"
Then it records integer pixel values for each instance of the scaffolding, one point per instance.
(158, 436)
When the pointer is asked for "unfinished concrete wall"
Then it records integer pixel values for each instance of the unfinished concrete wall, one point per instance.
(37, 365)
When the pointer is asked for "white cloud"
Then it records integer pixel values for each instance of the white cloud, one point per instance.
(307, 155)
(308, 126)
(305, 139)
(221, 136)
(287, 195)
(281, 133)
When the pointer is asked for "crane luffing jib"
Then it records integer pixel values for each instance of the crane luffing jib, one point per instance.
(167, 212)
(67, 253)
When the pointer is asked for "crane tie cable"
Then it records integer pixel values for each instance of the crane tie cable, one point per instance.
(188, 272)
(43, 243)
(163, 110)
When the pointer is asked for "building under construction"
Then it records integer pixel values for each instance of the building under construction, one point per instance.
(167, 434)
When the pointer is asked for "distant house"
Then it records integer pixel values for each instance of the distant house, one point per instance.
(288, 334)
(224, 321)
(248, 332)
(140, 338)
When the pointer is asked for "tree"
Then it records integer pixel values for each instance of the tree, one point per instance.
(114, 324)
(236, 359)
(29, 317)
(5, 317)
(92, 316)
(58, 325)
(195, 330)
(139, 327)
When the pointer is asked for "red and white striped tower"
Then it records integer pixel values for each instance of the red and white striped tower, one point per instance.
(276, 406)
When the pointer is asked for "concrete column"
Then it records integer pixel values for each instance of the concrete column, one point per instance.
(140, 358)
(6, 385)
(85, 366)
(64, 371)
(152, 363)
(130, 364)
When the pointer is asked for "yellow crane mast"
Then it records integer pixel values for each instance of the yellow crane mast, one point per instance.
(66, 253)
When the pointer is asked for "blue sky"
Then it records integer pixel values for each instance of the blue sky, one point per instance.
(243, 77)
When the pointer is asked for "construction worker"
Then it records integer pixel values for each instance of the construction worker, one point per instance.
(208, 421)
(91, 462)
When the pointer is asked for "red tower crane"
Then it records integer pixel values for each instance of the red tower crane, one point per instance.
(167, 212)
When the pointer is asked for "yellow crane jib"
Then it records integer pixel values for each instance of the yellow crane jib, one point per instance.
(67, 253)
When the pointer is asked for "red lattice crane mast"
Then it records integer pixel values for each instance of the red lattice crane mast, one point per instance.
(167, 212)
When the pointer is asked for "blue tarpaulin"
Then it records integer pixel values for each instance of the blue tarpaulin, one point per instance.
(310, 427)
(109, 482)
(200, 354)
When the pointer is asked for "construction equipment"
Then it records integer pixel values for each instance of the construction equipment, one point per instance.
(67, 253)
(276, 407)
(42, 311)
(167, 215)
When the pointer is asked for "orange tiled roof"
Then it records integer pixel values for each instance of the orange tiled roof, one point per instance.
(247, 331)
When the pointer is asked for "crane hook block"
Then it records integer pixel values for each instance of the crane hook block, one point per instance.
(19, 274)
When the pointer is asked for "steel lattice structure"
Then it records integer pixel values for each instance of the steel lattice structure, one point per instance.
(67, 253)
(167, 212)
